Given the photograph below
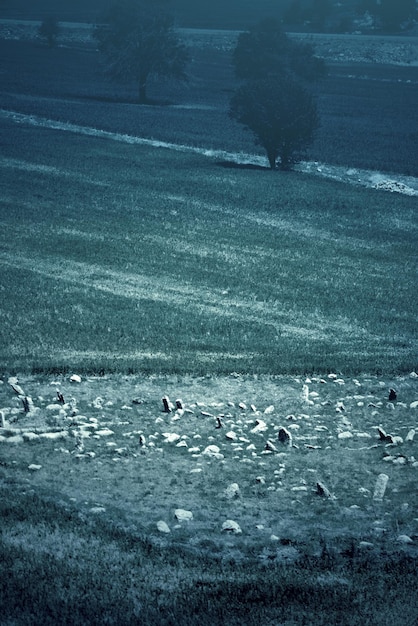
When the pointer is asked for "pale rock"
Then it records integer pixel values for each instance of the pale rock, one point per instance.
(171, 437)
(97, 510)
(345, 435)
(163, 527)
(232, 527)
(414, 405)
(232, 491)
(14, 439)
(405, 539)
(270, 446)
(242, 406)
(182, 515)
(231, 435)
(380, 487)
(104, 432)
(33, 467)
(30, 437)
(211, 450)
(322, 490)
(75, 378)
(260, 427)
(269, 410)
(365, 545)
(182, 444)
(410, 436)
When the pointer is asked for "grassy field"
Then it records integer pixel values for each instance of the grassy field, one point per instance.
(154, 271)
(127, 258)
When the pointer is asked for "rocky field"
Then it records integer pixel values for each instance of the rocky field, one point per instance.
(272, 464)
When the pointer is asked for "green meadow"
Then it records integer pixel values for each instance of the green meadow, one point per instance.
(127, 258)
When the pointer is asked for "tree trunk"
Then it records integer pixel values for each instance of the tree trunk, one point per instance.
(272, 158)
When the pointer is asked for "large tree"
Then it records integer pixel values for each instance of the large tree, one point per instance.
(138, 40)
(265, 50)
(282, 114)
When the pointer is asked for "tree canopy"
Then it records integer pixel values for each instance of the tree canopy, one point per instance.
(266, 50)
(138, 40)
(281, 114)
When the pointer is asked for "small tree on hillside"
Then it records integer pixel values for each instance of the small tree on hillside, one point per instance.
(138, 41)
(265, 50)
(49, 30)
(281, 114)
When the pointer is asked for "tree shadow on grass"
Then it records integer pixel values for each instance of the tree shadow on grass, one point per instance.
(242, 166)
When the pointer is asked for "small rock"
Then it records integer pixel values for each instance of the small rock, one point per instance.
(285, 437)
(260, 426)
(414, 405)
(163, 527)
(242, 406)
(231, 435)
(270, 446)
(392, 395)
(75, 378)
(410, 436)
(171, 437)
(231, 527)
(405, 539)
(269, 410)
(97, 509)
(322, 491)
(380, 487)
(232, 491)
(167, 405)
(182, 515)
(34, 468)
(345, 435)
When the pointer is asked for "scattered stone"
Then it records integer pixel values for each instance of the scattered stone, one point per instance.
(34, 468)
(261, 480)
(345, 435)
(97, 509)
(218, 423)
(285, 437)
(179, 404)
(270, 446)
(104, 432)
(383, 436)
(380, 487)
(242, 406)
(16, 388)
(269, 410)
(60, 397)
(213, 451)
(392, 395)
(260, 426)
(182, 515)
(75, 378)
(142, 441)
(232, 491)
(414, 405)
(163, 527)
(167, 405)
(365, 545)
(30, 437)
(232, 527)
(410, 436)
(2, 420)
(322, 491)
(405, 539)
(171, 437)
(231, 435)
